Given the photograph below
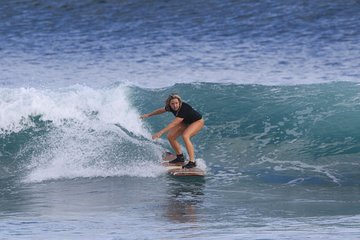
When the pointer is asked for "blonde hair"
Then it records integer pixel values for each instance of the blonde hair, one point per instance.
(171, 97)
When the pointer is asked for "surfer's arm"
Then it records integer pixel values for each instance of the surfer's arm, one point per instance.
(156, 112)
(174, 123)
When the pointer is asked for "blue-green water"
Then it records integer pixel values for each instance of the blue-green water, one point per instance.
(281, 162)
(276, 81)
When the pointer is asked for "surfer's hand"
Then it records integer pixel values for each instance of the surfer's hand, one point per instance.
(144, 116)
(156, 135)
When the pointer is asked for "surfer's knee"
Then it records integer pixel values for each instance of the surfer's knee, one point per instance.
(186, 137)
(171, 136)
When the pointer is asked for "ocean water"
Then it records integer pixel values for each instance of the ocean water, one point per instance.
(278, 84)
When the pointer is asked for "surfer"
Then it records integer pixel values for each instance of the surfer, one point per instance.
(187, 123)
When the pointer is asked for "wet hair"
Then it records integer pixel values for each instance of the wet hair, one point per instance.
(171, 97)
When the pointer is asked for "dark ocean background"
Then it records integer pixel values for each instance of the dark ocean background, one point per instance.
(278, 84)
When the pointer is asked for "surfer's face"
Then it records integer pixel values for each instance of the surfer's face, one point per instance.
(175, 104)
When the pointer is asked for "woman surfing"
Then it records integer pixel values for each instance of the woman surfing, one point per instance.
(187, 123)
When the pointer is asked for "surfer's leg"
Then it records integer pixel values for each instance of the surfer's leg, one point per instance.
(173, 134)
(189, 132)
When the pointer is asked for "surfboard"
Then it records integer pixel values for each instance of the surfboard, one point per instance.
(177, 170)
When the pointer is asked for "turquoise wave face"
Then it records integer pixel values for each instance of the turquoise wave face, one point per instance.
(285, 134)
(304, 134)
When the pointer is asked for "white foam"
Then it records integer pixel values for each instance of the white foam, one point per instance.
(282, 165)
(78, 103)
(92, 133)
(200, 163)
(63, 169)
(74, 151)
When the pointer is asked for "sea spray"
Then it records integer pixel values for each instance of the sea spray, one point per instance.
(75, 132)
